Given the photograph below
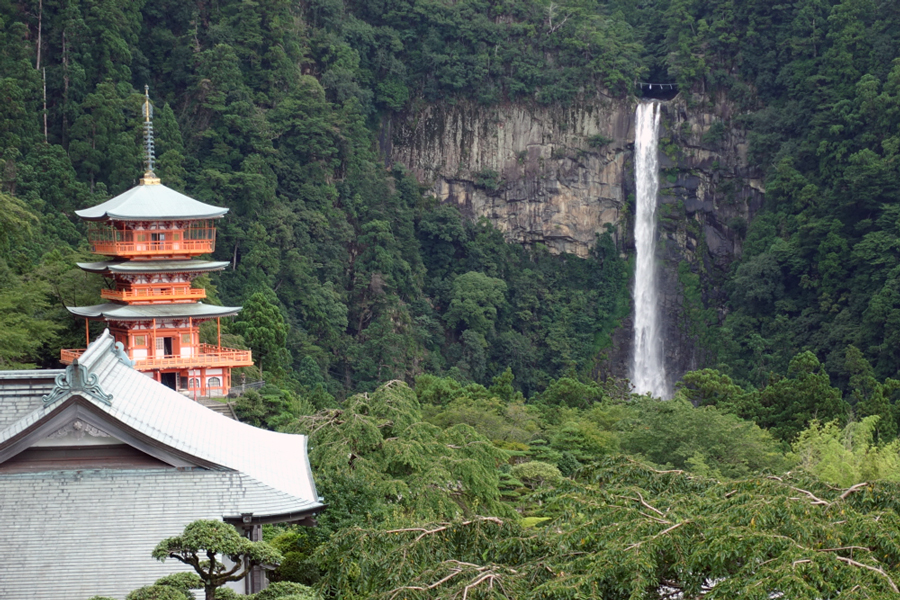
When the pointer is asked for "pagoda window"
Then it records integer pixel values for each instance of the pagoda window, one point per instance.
(200, 230)
(214, 382)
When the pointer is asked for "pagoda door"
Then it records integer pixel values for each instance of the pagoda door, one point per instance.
(170, 380)
(163, 346)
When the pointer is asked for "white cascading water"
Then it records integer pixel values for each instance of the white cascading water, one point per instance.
(648, 371)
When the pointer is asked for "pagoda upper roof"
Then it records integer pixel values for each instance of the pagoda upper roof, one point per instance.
(151, 202)
(154, 266)
(143, 312)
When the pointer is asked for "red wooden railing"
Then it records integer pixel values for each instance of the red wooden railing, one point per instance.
(148, 294)
(210, 356)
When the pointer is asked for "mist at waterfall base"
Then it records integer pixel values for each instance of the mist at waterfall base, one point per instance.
(648, 371)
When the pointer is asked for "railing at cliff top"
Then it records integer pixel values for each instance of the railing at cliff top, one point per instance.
(651, 85)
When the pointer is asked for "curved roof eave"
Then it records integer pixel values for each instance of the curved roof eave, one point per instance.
(142, 312)
(151, 203)
(154, 266)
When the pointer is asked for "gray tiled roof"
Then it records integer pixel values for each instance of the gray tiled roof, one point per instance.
(21, 392)
(71, 534)
(151, 203)
(154, 266)
(142, 312)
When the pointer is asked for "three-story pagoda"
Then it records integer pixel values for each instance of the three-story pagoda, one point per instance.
(153, 236)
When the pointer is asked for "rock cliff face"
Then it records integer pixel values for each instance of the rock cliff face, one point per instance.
(553, 176)
(561, 176)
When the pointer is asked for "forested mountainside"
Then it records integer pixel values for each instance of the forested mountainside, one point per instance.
(273, 109)
(270, 108)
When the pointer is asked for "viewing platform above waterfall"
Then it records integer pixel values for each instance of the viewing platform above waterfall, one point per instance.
(657, 90)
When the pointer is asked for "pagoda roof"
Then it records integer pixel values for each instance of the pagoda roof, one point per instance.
(143, 312)
(154, 266)
(199, 465)
(151, 202)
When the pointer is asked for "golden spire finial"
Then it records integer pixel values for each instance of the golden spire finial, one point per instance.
(149, 177)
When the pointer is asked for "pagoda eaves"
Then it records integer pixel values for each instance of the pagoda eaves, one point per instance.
(152, 202)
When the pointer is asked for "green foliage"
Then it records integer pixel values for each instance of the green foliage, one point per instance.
(297, 546)
(24, 323)
(708, 387)
(487, 178)
(598, 140)
(157, 592)
(849, 456)
(16, 221)
(536, 474)
(286, 590)
(263, 327)
(271, 407)
(788, 404)
(184, 582)
(624, 530)
(377, 461)
(583, 441)
(715, 133)
(224, 593)
(203, 543)
(474, 301)
(566, 391)
(677, 435)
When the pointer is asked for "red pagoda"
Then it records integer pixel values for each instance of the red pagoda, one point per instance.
(153, 236)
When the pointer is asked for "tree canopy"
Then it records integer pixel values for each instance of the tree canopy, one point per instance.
(204, 544)
(623, 530)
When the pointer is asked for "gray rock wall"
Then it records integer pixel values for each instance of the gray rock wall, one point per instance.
(559, 176)
(530, 170)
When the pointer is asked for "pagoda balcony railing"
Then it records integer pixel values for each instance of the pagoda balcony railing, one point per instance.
(68, 355)
(164, 248)
(209, 356)
(150, 294)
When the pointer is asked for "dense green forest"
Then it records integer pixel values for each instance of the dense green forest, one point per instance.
(268, 108)
(271, 109)
(478, 461)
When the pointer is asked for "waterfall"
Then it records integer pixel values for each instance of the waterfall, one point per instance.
(648, 371)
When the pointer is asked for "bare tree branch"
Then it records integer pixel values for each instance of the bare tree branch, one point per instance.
(850, 561)
(844, 548)
(852, 489)
(661, 533)
(815, 500)
(644, 502)
(443, 527)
